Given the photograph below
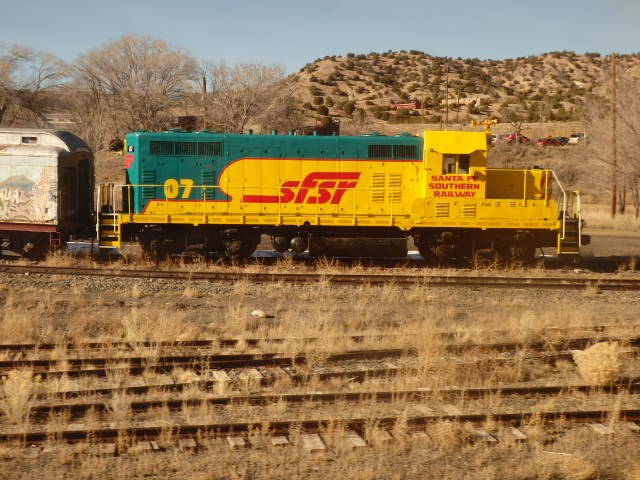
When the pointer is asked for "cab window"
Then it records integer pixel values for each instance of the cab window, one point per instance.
(452, 164)
(448, 164)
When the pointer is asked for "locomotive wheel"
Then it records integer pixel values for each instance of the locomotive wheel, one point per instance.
(153, 248)
(426, 252)
(524, 253)
(501, 255)
(241, 245)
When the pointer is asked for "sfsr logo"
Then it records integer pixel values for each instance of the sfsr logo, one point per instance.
(331, 187)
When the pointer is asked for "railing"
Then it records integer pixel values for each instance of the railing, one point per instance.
(578, 216)
(564, 204)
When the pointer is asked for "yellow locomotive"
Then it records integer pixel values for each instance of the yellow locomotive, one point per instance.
(208, 191)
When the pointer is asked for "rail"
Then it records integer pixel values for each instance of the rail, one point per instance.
(559, 283)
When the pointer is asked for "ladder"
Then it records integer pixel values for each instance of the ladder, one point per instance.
(109, 230)
(109, 223)
(570, 237)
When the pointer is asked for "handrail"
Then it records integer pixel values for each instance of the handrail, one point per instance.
(579, 216)
(98, 201)
(564, 204)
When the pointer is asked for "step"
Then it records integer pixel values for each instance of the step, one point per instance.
(109, 245)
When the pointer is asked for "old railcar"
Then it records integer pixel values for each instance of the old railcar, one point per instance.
(46, 190)
(208, 191)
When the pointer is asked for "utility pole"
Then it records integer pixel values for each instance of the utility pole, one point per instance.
(446, 95)
(614, 153)
(204, 101)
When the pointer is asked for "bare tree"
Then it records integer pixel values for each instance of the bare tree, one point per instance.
(26, 77)
(627, 142)
(137, 80)
(245, 94)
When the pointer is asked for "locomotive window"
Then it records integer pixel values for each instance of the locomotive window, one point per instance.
(186, 148)
(463, 163)
(161, 148)
(455, 164)
(405, 151)
(380, 151)
(210, 148)
(29, 140)
(448, 164)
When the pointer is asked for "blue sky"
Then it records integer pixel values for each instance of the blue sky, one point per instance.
(292, 33)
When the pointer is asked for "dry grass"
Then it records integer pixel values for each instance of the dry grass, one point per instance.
(17, 397)
(598, 216)
(111, 309)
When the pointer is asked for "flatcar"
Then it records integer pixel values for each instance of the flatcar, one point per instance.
(207, 191)
(46, 190)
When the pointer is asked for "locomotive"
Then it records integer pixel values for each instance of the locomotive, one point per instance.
(46, 190)
(206, 191)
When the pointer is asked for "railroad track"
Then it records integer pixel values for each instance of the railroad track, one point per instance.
(598, 283)
(79, 409)
(284, 429)
(161, 360)
(551, 339)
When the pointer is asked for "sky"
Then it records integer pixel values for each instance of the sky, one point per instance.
(293, 33)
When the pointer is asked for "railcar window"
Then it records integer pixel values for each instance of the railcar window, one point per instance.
(29, 140)
(161, 148)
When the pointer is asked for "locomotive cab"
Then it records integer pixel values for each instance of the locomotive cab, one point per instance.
(455, 164)
(469, 207)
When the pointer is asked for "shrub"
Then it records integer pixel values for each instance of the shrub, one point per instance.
(600, 363)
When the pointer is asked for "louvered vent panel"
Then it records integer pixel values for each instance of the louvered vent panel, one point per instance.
(469, 210)
(441, 210)
(161, 148)
(377, 187)
(186, 148)
(208, 179)
(395, 187)
(148, 178)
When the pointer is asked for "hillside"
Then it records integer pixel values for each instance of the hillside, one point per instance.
(542, 88)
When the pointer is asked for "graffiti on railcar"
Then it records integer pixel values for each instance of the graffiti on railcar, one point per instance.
(28, 193)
